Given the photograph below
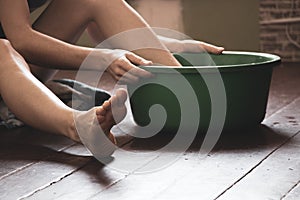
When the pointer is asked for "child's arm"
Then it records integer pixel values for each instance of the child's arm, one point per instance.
(46, 51)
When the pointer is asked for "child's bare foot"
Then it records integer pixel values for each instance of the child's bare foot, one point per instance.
(112, 112)
(98, 139)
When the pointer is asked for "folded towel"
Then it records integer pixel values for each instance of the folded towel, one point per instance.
(77, 95)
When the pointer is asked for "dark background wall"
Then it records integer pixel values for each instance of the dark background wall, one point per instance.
(231, 23)
(280, 28)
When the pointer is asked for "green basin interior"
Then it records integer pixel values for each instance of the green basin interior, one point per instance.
(246, 77)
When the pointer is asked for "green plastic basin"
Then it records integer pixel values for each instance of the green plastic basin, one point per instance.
(245, 76)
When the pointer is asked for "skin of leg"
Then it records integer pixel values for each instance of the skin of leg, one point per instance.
(54, 22)
(127, 18)
(67, 19)
(39, 107)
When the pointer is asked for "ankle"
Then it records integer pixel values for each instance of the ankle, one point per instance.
(70, 130)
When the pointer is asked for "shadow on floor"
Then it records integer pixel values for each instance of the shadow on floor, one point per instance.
(239, 140)
(14, 156)
(25, 147)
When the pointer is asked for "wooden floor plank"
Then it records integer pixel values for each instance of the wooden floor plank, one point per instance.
(211, 176)
(273, 178)
(22, 147)
(175, 182)
(32, 136)
(53, 164)
(86, 181)
(19, 159)
(63, 190)
(40, 174)
(284, 86)
(294, 194)
(80, 185)
(284, 120)
(14, 159)
(155, 183)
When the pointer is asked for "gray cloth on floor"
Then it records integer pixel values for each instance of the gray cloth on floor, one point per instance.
(74, 94)
(7, 118)
(78, 95)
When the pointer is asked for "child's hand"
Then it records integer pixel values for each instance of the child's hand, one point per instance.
(197, 46)
(193, 46)
(125, 68)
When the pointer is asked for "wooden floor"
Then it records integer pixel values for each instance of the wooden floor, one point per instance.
(262, 164)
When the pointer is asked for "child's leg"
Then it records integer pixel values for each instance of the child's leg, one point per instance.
(66, 19)
(37, 106)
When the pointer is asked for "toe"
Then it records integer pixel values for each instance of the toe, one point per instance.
(119, 98)
(100, 118)
(107, 105)
(100, 111)
(112, 138)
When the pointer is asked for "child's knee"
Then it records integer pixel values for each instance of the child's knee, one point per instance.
(6, 50)
(5, 46)
(9, 56)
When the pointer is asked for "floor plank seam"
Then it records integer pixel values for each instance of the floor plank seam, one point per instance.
(294, 186)
(17, 170)
(55, 181)
(72, 172)
(156, 196)
(258, 164)
(109, 186)
(32, 163)
(118, 181)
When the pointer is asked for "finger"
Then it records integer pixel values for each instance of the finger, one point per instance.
(122, 77)
(112, 72)
(135, 71)
(135, 59)
(211, 48)
(128, 79)
(125, 81)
